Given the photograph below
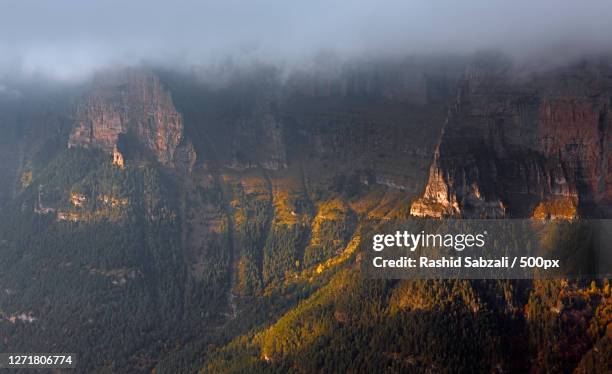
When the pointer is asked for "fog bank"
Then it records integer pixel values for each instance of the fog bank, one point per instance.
(68, 39)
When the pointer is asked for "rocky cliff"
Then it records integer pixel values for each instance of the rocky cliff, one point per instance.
(258, 140)
(128, 102)
(267, 229)
(378, 119)
(524, 144)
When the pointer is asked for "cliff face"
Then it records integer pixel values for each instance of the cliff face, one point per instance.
(258, 140)
(128, 102)
(577, 131)
(524, 146)
(291, 179)
(376, 122)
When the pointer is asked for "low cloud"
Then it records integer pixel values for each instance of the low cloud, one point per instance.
(67, 39)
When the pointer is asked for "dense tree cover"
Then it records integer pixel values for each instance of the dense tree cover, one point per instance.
(358, 325)
(333, 237)
(100, 283)
(281, 251)
(111, 281)
(252, 232)
(114, 285)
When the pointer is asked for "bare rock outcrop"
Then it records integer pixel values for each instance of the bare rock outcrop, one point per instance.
(524, 147)
(259, 140)
(130, 101)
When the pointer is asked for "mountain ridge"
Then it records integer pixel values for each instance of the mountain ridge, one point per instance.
(246, 257)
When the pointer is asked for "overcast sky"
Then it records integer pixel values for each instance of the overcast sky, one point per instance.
(68, 39)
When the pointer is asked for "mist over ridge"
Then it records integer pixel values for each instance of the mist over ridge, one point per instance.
(68, 40)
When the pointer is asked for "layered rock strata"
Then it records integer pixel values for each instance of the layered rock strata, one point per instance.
(130, 102)
(524, 147)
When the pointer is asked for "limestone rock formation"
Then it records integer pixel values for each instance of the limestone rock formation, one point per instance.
(259, 140)
(185, 157)
(522, 147)
(133, 102)
(118, 160)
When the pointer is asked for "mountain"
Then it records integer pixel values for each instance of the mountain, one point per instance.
(212, 221)
(516, 145)
(128, 103)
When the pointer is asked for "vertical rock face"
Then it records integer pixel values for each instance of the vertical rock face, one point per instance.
(118, 158)
(185, 157)
(131, 102)
(273, 143)
(259, 140)
(577, 130)
(524, 147)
